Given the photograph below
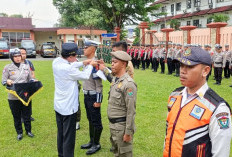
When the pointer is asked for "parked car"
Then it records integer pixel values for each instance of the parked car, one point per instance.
(29, 45)
(48, 50)
(4, 48)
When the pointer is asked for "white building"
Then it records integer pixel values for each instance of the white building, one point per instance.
(190, 12)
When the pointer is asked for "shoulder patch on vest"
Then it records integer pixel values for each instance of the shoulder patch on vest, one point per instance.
(223, 120)
(171, 102)
(197, 112)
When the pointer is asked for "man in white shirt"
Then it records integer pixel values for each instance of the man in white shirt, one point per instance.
(66, 73)
(198, 121)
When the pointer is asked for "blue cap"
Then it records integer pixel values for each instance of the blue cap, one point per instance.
(194, 56)
(69, 49)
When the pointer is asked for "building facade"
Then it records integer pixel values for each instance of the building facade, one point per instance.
(190, 12)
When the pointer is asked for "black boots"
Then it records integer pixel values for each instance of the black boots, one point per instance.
(96, 145)
(91, 133)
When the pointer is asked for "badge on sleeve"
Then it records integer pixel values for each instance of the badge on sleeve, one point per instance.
(197, 112)
(171, 102)
(130, 92)
(223, 120)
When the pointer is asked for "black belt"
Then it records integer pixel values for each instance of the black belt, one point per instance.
(117, 120)
(218, 62)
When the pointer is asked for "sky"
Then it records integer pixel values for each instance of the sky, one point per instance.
(43, 11)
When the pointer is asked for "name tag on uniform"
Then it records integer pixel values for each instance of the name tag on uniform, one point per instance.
(171, 102)
(197, 112)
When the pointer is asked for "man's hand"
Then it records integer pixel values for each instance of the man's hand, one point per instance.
(93, 63)
(97, 104)
(86, 62)
(9, 82)
(127, 138)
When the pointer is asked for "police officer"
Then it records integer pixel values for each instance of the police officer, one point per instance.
(228, 55)
(169, 58)
(219, 62)
(173, 56)
(178, 55)
(162, 56)
(198, 121)
(92, 89)
(66, 73)
(121, 106)
(18, 72)
(155, 57)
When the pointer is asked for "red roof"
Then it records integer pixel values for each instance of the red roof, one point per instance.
(158, 2)
(198, 13)
(16, 23)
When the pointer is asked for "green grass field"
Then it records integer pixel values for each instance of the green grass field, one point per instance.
(153, 92)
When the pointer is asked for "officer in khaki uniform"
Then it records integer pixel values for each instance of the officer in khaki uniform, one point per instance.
(121, 106)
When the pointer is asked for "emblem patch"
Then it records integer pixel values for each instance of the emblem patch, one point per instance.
(120, 85)
(197, 112)
(130, 92)
(171, 102)
(12, 73)
(223, 120)
(187, 52)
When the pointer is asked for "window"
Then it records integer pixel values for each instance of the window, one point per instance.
(197, 3)
(172, 8)
(188, 23)
(162, 26)
(196, 23)
(163, 9)
(27, 35)
(210, 1)
(15, 38)
(88, 36)
(220, 1)
(95, 36)
(209, 20)
(188, 4)
(178, 6)
(80, 36)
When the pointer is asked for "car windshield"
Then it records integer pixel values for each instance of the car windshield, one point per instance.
(28, 44)
(47, 47)
(3, 45)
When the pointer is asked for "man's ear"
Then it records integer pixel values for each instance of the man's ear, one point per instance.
(206, 70)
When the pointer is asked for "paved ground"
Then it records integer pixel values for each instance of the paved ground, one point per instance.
(39, 58)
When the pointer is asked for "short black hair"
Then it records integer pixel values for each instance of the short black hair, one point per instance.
(66, 56)
(121, 44)
(22, 48)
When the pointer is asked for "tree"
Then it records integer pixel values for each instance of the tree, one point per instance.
(17, 15)
(220, 18)
(137, 34)
(3, 15)
(115, 13)
(174, 23)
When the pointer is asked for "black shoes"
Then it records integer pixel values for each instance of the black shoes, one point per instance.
(30, 134)
(19, 137)
(93, 149)
(32, 119)
(86, 146)
(230, 85)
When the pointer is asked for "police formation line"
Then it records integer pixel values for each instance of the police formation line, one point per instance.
(205, 132)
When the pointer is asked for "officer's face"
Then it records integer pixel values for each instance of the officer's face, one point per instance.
(193, 76)
(23, 54)
(17, 59)
(117, 66)
(227, 48)
(89, 50)
(72, 58)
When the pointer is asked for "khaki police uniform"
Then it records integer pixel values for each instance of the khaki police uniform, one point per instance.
(219, 62)
(121, 113)
(228, 55)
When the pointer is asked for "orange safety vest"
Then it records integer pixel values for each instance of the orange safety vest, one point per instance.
(187, 133)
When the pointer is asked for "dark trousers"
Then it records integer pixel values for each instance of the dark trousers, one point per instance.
(162, 64)
(18, 110)
(177, 65)
(173, 67)
(79, 113)
(155, 64)
(227, 70)
(93, 113)
(147, 63)
(169, 62)
(143, 64)
(218, 74)
(66, 134)
(138, 63)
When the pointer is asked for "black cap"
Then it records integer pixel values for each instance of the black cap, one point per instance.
(69, 49)
(194, 56)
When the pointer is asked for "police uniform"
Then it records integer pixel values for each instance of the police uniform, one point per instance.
(219, 62)
(178, 55)
(162, 56)
(169, 60)
(228, 55)
(155, 58)
(121, 110)
(198, 124)
(66, 100)
(18, 73)
(144, 57)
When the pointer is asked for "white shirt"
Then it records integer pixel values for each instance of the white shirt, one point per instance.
(220, 138)
(66, 89)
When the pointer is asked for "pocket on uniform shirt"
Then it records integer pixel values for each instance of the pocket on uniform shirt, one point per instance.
(116, 98)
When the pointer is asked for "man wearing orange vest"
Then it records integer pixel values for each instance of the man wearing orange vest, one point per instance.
(198, 120)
